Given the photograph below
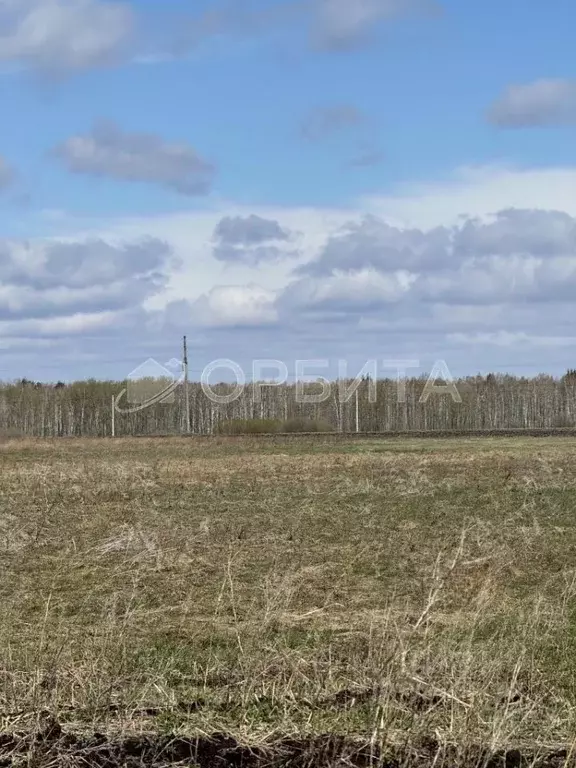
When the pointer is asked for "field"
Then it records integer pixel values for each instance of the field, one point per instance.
(317, 601)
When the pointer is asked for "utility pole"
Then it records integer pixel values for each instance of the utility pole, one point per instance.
(186, 389)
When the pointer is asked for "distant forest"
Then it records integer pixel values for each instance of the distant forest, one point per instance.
(495, 401)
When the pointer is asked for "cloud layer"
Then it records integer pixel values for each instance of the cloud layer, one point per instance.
(491, 291)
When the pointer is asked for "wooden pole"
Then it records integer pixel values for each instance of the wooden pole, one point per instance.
(186, 388)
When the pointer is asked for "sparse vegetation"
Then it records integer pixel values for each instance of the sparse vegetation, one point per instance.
(272, 426)
(306, 425)
(249, 427)
(406, 595)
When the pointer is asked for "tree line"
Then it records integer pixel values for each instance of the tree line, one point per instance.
(495, 401)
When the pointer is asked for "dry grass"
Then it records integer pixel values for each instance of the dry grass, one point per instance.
(385, 590)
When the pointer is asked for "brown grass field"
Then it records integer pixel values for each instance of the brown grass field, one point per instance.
(409, 602)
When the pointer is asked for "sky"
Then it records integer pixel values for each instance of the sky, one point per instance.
(321, 180)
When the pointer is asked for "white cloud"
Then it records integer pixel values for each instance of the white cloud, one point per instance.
(531, 105)
(348, 291)
(335, 25)
(7, 174)
(75, 324)
(41, 279)
(137, 157)
(322, 122)
(476, 191)
(251, 240)
(64, 35)
(495, 279)
(342, 24)
(235, 305)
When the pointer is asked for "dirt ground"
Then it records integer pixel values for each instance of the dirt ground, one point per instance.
(50, 746)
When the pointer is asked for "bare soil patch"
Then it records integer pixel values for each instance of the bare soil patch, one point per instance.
(50, 746)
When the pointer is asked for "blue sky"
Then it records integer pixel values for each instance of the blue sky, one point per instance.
(331, 133)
